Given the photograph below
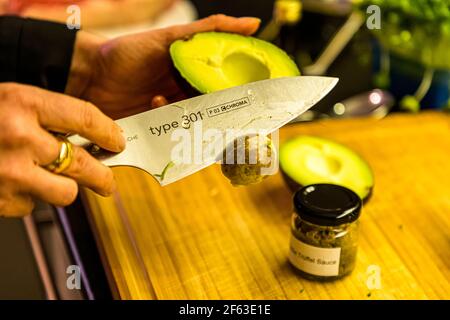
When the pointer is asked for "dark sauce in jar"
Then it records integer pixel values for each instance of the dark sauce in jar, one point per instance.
(324, 228)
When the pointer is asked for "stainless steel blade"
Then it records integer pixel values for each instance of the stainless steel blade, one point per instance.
(157, 139)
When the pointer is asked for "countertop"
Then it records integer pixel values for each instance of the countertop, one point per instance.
(201, 238)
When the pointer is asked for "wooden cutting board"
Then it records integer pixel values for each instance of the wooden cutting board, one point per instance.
(201, 238)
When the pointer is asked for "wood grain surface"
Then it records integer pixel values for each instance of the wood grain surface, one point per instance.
(201, 238)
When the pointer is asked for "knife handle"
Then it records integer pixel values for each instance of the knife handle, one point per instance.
(107, 157)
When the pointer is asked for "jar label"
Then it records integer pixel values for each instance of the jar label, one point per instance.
(314, 260)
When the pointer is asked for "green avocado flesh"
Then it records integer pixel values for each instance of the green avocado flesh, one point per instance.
(213, 61)
(310, 160)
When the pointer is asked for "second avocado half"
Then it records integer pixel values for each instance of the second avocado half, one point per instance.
(213, 61)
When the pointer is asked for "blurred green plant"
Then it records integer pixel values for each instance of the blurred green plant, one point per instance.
(415, 29)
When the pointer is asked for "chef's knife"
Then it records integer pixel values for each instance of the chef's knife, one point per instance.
(179, 139)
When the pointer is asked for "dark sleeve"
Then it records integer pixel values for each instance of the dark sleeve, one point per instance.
(35, 52)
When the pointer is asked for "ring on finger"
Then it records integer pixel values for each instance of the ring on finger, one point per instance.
(64, 159)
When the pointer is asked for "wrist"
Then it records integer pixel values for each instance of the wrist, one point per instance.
(84, 61)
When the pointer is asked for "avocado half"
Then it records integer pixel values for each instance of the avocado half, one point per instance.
(306, 160)
(213, 61)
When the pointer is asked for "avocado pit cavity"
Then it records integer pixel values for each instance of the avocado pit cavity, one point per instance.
(241, 68)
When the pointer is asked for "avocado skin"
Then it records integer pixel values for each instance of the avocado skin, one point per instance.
(294, 186)
(188, 90)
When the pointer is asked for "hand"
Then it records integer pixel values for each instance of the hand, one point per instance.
(26, 116)
(128, 72)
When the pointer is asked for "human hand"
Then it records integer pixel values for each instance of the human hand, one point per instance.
(27, 114)
(128, 72)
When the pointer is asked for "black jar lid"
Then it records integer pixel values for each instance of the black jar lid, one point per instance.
(327, 204)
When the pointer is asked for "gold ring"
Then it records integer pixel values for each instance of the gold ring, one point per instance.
(65, 157)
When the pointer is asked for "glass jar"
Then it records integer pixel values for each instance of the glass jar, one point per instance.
(325, 225)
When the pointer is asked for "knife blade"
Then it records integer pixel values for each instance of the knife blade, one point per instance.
(158, 141)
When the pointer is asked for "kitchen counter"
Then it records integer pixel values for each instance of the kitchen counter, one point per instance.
(201, 238)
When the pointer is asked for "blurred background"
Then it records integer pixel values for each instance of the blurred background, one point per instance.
(402, 67)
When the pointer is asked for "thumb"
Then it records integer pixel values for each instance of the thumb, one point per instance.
(218, 22)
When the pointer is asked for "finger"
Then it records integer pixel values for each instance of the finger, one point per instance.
(218, 22)
(84, 169)
(52, 188)
(44, 146)
(62, 113)
(159, 101)
(90, 173)
(19, 206)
